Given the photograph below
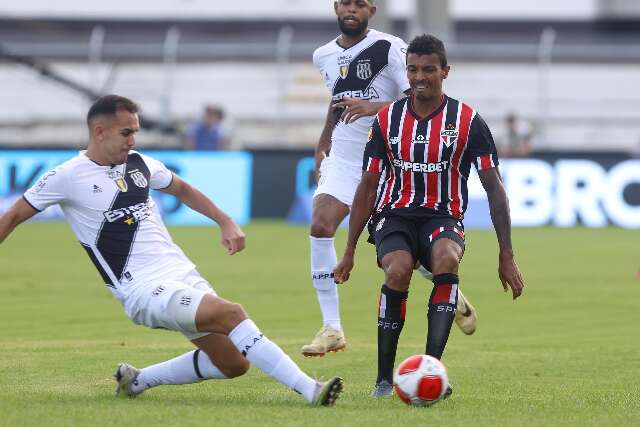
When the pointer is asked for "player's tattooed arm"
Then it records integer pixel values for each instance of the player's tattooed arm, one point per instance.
(352, 108)
(231, 235)
(16, 215)
(508, 270)
(363, 203)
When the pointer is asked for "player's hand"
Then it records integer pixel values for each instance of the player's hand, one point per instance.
(510, 275)
(355, 109)
(342, 271)
(232, 237)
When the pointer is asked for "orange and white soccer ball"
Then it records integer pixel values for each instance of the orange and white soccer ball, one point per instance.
(421, 380)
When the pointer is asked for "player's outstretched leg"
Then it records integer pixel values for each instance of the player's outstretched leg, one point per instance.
(217, 315)
(466, 315)
(191, 367)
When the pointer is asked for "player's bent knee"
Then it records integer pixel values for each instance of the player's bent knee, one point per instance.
(235, 313)
(398, 277)
(446, 261)
(321, 228)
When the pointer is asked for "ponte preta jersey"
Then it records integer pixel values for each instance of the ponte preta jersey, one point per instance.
(374, 69)
(114, 218)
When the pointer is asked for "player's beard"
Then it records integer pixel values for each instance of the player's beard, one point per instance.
(353, 32)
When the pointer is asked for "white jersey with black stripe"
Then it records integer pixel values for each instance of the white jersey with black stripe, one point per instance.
(374, 69)
(114, 218)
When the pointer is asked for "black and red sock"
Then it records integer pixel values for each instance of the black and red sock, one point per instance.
(442, 310)
(391, 313)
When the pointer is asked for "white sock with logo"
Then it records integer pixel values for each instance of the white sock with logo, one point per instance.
(323, 261)
(188, 368)
(424, 272)
(270, 358)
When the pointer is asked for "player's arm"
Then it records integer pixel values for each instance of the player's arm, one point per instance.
(354, 109)
(232, 237)
(508, 270)
(16, 215)
(361, 209)
(324, 143)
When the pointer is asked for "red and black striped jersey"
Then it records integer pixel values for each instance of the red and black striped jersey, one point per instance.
(428, 160)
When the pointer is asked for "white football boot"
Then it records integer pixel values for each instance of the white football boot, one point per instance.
(466, 316)
(125, 376)
(327, 340)
(327, 392)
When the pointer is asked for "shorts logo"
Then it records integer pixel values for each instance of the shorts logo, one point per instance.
(96, 189)
(363, 70)
(138, 178)
(157, 291)
(380, 224)
(186, 300)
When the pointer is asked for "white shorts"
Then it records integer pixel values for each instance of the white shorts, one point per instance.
(169, 304)
(339, 178)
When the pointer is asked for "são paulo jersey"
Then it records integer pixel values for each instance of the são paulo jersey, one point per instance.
(428, 158)
(113, 217)
(374, 69)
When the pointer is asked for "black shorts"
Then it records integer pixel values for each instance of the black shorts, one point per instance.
(415, 233)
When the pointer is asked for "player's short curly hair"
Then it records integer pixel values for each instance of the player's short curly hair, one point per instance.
(109, 105)
(426, 44)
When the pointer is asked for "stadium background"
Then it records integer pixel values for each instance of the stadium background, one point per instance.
(570, 68)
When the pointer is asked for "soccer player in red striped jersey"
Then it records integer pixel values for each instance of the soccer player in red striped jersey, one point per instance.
(427, 142)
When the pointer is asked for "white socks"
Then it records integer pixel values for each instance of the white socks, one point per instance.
(267, 356)
(425, 273)
(191, 367)
(323, 261)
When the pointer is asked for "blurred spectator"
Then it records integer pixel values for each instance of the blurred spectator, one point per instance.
(209, 132)
(517, 138)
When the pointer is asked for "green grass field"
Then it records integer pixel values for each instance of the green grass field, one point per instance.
(566, 353)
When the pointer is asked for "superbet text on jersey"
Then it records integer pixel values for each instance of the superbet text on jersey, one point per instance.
(374, 69)
(114, 218)
(428, 159)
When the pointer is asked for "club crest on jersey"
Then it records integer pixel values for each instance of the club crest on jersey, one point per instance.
(343, 62)
(449, 135)
(117, 177)
(363, 70)
(344, 70)
(138, 178)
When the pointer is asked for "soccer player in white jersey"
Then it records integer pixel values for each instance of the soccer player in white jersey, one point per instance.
(104, 194)
(364, 70)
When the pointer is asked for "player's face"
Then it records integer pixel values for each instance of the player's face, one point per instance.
(353, 16)
(118, 136)
(425, 74)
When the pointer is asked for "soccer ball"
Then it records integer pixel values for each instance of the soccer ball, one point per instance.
(420, 380)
